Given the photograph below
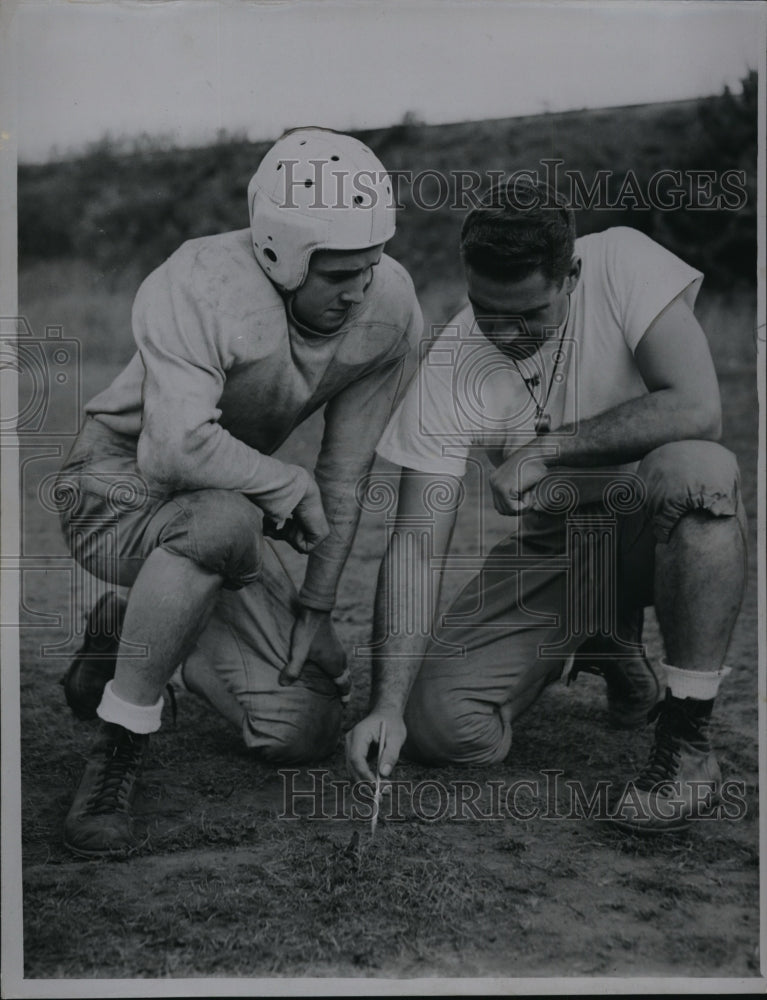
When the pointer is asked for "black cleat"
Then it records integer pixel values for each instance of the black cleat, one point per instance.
(99, 822)
(681, 779)
(95, 663)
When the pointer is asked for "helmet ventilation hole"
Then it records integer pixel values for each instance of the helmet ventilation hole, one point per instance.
(283, 241)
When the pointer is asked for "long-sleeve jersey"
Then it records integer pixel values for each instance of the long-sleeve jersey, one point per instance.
(223, 374)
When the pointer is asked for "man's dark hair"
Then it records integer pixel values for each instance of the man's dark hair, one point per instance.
(521, 226)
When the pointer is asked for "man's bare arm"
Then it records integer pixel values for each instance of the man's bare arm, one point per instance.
(683, 400)
(404, 615)
(682, 403)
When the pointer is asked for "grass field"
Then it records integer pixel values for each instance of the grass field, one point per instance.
(226, 887)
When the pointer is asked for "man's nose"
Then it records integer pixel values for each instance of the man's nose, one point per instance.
(354, 291)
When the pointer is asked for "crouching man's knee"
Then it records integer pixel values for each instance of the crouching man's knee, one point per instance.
(687, 476)
(446, 728)
(220, 530)
(294, 726)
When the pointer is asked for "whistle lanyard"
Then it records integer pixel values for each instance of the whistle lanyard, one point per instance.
(543, 419)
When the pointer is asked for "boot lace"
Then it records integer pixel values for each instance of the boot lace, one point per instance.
(118, 772)
(664, 756)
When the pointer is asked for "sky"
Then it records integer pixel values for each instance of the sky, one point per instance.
(184, 69)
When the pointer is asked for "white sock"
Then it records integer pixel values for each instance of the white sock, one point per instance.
(137, 718)
(702, 685)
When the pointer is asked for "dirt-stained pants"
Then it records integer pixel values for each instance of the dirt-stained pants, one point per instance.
(113, 518)
(512, 629)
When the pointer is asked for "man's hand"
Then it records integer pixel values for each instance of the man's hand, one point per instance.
(314, 638)
(307, 525)
(513, 481)
(365, 735)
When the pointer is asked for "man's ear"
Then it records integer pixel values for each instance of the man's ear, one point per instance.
(573, 275)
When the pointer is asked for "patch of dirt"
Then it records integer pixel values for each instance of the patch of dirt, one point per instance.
(226, 886)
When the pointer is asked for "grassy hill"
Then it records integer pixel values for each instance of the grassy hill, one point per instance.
(125, 207)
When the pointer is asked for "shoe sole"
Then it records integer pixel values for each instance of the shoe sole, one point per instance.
(108, 852)
(114, 854)
(682, 825)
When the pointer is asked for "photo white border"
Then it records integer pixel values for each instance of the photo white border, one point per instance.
(13, 983)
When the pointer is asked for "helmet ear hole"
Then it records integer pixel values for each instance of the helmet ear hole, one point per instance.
(270, 254)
